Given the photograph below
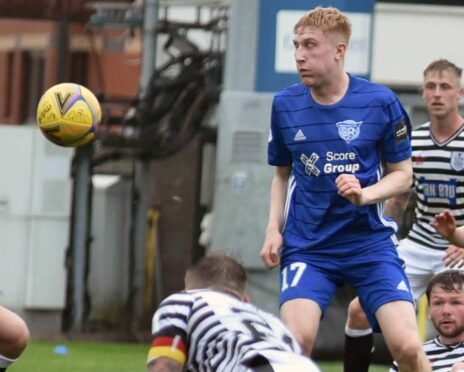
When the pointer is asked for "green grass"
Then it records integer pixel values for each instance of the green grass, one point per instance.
(103, 357)
(82, 356)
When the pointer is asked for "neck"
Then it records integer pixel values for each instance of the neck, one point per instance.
(443, 128)
(452, 340)
(332, 90)
(229, 291)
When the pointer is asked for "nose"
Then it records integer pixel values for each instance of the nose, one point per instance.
(299, 55)
(437, 91)
(446, 309)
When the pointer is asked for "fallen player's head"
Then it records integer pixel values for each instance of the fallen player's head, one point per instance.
(217, 271)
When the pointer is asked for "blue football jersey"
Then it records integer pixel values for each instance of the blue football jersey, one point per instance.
(358, 134)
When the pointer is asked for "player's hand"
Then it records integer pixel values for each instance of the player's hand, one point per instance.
(454, 257)
(270, 253)
(444, 223)
(350, 188)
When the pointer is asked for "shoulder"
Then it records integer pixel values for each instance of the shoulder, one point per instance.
(292, 99)
(371, 91)
(432, 345)
(422, 130)
(179, 297)
(295, 91)
(180, 301)
(292, 90)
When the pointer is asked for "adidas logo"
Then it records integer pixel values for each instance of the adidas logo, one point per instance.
(402, 286)
(299, 136)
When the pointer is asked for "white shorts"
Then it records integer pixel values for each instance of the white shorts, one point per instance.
(421, 264)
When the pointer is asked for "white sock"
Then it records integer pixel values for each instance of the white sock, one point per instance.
(357, 332)
(5, 362)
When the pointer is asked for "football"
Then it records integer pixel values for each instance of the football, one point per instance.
(68, 115)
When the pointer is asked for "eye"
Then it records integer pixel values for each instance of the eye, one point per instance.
(429, 86)
(309, 44)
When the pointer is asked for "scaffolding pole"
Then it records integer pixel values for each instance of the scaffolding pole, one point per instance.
(141, 176)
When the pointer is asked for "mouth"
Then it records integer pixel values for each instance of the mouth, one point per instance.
(446, 322)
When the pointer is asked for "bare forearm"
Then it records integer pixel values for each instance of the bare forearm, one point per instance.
(278, 197)
(397, 181)
(164, 365)
(396, 206)
(457, 237)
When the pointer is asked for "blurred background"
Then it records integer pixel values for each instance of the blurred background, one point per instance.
(93, 238)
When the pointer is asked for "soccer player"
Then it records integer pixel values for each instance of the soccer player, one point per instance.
(211, 327)
(14, 337)
(330, 137)
(445, 296)
(438, 164)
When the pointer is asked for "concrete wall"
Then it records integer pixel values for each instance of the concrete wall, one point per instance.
(34, 220)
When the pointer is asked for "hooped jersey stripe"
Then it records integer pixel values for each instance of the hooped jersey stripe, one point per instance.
(438, 183)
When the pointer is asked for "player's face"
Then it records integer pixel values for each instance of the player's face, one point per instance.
(447, 314)
(316, 55)
(441, 93)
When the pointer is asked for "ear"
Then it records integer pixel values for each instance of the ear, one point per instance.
(340, 51)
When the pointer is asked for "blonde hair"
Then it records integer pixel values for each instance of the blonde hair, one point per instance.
(442, 65)
(328, 19)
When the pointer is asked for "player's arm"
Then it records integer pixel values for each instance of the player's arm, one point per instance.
(397, 180)
(445, 224)
(164, 364)
(458, 367)
(273, 241)
(168, 351)
(397, 205)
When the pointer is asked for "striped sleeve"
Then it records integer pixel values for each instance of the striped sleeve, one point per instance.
(169, 329)
(168, 346)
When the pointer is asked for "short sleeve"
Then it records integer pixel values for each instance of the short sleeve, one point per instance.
(396, 143)
(169, 329)
(277, 153)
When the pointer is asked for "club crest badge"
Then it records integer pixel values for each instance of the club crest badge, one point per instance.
(348, 130)
(457, 160)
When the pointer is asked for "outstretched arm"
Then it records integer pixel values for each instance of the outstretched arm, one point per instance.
(270, 252)
(397, 180)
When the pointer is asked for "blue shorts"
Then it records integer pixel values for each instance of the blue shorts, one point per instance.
(376, 274)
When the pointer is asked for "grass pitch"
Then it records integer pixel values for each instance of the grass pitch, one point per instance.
(51, 356)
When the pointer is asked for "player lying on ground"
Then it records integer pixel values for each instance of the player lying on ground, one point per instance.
(211, 327)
